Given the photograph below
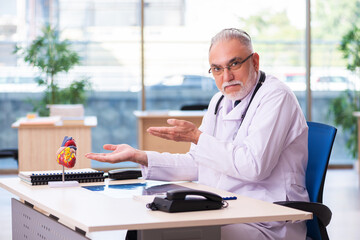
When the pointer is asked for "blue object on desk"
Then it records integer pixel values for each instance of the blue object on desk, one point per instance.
(138, 189)
(132, 186)
(134, 189)
(229, 198)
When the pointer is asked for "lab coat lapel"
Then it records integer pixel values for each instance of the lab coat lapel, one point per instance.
(234, 114)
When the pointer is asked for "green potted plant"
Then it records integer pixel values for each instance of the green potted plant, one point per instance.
(52, 56)
(343, 107)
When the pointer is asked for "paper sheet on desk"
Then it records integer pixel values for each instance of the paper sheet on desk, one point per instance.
(135, 189)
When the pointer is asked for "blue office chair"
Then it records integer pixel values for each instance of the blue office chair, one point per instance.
(320, 142)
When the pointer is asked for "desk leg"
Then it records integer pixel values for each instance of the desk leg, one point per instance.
(28, 223)
(198, 233)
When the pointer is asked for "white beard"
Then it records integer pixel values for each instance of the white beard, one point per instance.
(245, 88)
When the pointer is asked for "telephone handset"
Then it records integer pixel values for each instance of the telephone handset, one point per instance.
(184, 200)
(181, 194)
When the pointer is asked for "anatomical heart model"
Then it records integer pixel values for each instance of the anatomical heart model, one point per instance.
(66, 155)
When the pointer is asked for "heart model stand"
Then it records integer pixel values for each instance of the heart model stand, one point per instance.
(63, 183)
(67, 158)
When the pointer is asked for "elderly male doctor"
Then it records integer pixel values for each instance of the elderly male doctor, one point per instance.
(252, 140)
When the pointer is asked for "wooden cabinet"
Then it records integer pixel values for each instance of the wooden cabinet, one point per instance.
(39, 141)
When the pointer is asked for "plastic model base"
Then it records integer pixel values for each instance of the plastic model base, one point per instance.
(62, 184)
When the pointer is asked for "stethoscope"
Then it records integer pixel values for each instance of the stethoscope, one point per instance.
(258, 85)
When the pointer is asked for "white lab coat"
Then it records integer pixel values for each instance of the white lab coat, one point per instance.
(265, 158)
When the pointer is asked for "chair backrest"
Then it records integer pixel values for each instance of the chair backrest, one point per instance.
(9, 153)
(320, 142)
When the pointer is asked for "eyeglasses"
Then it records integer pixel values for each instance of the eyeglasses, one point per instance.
(232, 66)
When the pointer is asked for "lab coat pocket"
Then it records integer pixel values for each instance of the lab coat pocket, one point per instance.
(295, 187)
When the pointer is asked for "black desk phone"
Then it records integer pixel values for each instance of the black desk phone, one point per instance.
(184, 200)
(122, 174)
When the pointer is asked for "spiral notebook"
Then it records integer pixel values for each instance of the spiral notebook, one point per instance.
(43, 177)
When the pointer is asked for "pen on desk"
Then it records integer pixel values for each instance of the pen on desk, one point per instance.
(230, 198)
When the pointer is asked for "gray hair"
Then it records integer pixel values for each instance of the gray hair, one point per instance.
(232, 33)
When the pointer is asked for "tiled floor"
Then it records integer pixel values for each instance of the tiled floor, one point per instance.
(341, 195)
(5, 212)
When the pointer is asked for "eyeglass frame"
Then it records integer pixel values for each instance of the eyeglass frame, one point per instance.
(229, 65)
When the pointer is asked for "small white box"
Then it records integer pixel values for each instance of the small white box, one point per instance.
(67, 110)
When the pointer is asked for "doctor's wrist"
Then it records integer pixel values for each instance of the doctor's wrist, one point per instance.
(197, 136)
(141, 158)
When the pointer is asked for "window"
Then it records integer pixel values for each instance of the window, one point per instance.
(177, 35)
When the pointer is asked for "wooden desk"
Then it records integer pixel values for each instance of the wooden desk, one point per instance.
(91, 211)
(38, 143)
(148, 119)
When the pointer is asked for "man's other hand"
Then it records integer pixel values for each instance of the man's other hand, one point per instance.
(181, 131)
